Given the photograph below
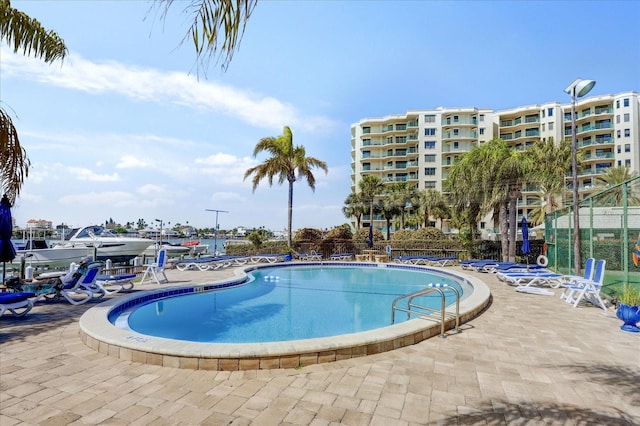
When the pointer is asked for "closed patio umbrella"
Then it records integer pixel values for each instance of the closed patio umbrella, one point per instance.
(7, 251)
(370, 240)
(525, 239)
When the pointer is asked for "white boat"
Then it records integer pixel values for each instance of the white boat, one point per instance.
(108, 244)
(195, 247)
(173, 250)
(38, 254)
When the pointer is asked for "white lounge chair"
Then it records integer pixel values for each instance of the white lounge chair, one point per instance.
(155, 269)
(79, 289)
(572, 280)
(588, 290)
(532, 279)
(114, 283)
(17, 303)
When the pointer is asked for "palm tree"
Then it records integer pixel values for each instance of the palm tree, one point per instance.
(613, 178)
(354, 206)
(432, 203)
(491, 175)
(26, 34)
(389, 209)
(286, 162)
(217, 26)
(552, 162)
(403, 195)
(370, 187)
(547, 203)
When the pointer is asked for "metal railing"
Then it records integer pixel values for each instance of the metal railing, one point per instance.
(413, 308)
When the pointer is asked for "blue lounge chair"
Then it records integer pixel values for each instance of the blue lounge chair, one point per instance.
(16, 303)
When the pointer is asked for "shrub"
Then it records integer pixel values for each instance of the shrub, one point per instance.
(403, 235)
(362, 235)
(308, 234)
(429, 233)
(339, 233)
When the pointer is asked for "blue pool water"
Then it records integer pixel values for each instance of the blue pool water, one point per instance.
(288, 303)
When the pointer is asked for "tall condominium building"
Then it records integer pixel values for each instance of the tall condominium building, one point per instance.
(420, 146)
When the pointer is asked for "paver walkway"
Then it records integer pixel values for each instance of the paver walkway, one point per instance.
(529, 359)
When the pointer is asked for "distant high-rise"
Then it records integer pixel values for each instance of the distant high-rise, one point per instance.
(420, 146)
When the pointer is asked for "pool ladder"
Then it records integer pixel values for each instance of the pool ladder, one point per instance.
(426, 312)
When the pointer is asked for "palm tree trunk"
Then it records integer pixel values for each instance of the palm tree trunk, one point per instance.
(504, 231)
(290, 213)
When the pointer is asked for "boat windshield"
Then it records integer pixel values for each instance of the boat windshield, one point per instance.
(92, 232)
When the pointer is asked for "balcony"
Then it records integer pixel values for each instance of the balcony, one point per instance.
(450, 121)
(460, 135)
(598, 156)
(593, 127)
(604, 110)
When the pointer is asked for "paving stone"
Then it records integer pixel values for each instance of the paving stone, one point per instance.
(528, 359)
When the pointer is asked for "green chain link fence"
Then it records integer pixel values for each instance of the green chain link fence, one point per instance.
(609, 229)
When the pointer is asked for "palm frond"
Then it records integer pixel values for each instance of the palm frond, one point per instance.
(13, 158)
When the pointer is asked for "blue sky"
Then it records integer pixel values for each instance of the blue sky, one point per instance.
(124, 129)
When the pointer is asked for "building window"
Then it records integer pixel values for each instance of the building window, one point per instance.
(626, 117)
(456, 145)
(550, 125)
(482, 130)
(430, 132)
(627, 163)
(432, 144)
(543, 127)
(429, 158)
(626, 102)
(618, 119)
(550, 112)
(618, 104)
(543, 114)
(619, 149)
(429, 184)
(481, 117)
(366, 130)
(456, 132)
(430, 118)
(627, 133)
(430, 171)
(618, 134)
(627, 147)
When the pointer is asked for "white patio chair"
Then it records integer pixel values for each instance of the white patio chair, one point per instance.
(155, 269)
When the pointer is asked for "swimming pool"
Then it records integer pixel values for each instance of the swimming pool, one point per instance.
(98, 331)
(289, 303)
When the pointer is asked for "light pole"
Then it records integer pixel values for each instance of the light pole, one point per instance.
(159, 237)
(215, 232)
(577, 89)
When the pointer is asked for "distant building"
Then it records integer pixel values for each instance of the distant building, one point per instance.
(420, 146)
(39, 224)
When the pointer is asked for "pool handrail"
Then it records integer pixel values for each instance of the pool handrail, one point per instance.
(431, 289)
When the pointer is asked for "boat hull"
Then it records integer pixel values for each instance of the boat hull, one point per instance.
(51, 257)
(116, 251)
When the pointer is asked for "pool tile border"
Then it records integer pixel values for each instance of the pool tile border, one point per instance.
(98, 332)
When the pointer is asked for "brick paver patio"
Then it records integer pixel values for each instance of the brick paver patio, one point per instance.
(529, 359)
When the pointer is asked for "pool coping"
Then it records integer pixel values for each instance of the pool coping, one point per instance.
(97, 332)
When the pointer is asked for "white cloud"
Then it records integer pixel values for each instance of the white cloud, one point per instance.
(150, 190)
(150, 85)
(107, 199)
(225, 168)
(131, 162)
(89, 175)
(231, 197)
